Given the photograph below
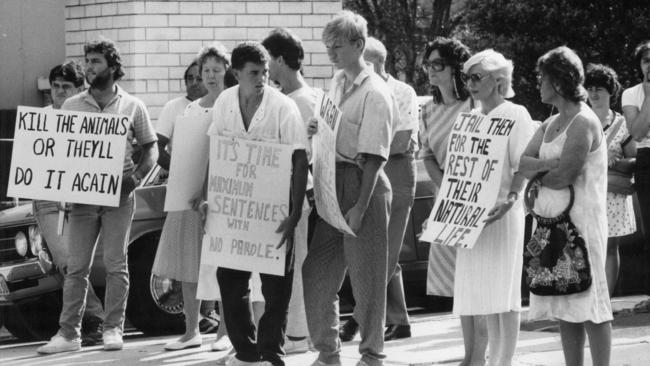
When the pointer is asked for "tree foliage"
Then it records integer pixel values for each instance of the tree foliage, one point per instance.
(404, 26)
(603, 31)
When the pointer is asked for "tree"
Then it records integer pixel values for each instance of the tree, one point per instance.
(603, 31)
(404, 26)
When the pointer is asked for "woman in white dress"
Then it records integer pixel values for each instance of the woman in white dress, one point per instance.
(603, 87)
(571, 148)
(488, 276)
(179, 250)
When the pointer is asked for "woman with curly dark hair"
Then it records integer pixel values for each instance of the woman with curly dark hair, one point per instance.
(443, 62)
(603, 89)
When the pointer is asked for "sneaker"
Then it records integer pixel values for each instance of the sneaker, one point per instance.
(222, 344)
(299, 346)
(209, 323)
(91, 331)
(349, 330)
(113, 340)
(58, 344)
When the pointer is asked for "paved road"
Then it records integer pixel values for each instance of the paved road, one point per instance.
(436, 341)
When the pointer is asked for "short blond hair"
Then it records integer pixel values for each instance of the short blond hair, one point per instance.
(497, 65)
(346, 25)
(376, 49)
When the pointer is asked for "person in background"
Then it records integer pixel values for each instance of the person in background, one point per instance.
(253, 110)
(67, 80)
(603, 88)
(194, 89)
(443, 63)
(488, 276)
(636, 109)
(179, 251)
(570, 148)
(85, 222)
(401, 171)
(364, 195)
(287, 54)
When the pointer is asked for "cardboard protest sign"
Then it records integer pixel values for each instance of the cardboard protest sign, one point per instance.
(189, 161)
(68, 156)
(248, 197)
(475, 152)
(324, 166)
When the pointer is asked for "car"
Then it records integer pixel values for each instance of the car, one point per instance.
(30, 285)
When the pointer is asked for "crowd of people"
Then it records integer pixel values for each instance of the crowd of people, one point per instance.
(590, 148)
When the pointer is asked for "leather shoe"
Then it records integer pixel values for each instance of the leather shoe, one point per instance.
(397, 331)
(348, 330)
(179, 345)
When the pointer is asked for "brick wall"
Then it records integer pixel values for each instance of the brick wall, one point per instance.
(157, 39)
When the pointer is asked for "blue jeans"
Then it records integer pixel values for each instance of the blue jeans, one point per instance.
(81, 236)
(47, 217)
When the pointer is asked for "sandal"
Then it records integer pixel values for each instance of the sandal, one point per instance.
(642, 307)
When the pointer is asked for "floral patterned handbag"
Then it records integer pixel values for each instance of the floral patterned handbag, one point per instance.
(555, 258)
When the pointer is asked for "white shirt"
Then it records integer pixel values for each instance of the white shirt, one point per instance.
(634, 97)
(276, 120)
(167, 117)
(407, 103)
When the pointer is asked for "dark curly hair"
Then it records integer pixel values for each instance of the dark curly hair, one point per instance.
(603, 76)
(107, 48)
(639, 51)
(564, 69)
(69, 71)
(453, 53)
(249, 51)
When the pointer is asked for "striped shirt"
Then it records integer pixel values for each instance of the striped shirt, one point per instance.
(123, 103)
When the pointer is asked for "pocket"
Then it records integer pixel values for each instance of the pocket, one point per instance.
(347, 138)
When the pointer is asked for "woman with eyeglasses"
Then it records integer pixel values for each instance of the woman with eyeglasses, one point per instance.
(443, 61)
(488, 276)
(571, 149)
(603, 88)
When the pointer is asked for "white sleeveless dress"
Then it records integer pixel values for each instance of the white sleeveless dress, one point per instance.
(589, 215)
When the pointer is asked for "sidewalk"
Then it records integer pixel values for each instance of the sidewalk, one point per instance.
(437, 340)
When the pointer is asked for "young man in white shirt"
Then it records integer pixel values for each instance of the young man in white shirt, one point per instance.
(364, 194)
(287, 54)
(254, 110)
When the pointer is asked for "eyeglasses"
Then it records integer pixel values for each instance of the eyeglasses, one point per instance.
(476, 77)
(436, 65)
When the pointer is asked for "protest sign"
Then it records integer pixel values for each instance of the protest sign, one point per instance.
(324, 166)
(248, 197)
(68, 156)
(189, 161)
(470, 185)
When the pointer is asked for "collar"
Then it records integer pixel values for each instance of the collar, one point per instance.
(259, 113)
(88, 98)
(363, 75)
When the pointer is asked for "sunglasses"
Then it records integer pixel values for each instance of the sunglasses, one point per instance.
(436, 65)
(476, 77)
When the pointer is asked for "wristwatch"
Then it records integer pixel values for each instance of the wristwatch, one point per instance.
(513, 196)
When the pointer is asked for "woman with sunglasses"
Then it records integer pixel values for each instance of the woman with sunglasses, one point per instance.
(443, 61)
(488, 276)
(571, 148)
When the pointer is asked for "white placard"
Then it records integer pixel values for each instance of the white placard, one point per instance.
(324, 166)
(248, 197)
(470, 185)
(68, 156)
(189, 161)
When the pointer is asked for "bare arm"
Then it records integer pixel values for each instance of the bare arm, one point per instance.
(626, 164)
(435, 173)
(298, 187)
(147, 161)
(530, 164)
(164, 159)
(400, 142)
(581, 136)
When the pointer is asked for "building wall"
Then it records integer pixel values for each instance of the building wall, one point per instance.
(31, 42)
(159, 38)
